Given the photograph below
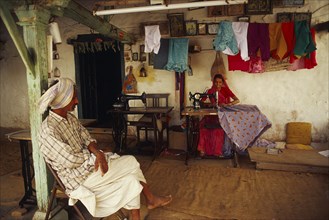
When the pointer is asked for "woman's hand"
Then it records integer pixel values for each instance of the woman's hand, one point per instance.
(101, 162)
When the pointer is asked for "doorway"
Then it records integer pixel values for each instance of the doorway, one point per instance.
(99, 74)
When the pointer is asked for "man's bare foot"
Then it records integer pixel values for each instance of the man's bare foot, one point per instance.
(159, 201)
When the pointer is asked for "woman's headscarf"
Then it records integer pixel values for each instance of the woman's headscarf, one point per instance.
(57, 96)
(224, 90)
(213, 87)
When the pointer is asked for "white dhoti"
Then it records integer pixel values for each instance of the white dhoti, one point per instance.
(119, 188)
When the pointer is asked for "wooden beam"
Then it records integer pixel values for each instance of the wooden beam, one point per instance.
(122, 3)
(80, 14)
(11, 26)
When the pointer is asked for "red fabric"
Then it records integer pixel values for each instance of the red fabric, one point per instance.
(288, 30)
(211, 140)
(237, 63)
(256, 65)
(311, 62)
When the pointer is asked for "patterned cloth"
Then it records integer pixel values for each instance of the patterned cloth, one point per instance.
(225, 40)
(63, 144)
(243, 124)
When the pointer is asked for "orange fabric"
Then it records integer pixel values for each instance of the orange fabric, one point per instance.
(278, 45)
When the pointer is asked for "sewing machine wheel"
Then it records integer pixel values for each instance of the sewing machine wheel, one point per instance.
(119, 131)
(194, 136)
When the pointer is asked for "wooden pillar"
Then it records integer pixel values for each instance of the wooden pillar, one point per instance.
(34, 21)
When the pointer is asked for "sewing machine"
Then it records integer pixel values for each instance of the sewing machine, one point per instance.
(198, 96)
(123, 100)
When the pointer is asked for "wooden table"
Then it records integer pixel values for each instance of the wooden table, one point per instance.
(24, 137)
(120, 125)
(290, 160)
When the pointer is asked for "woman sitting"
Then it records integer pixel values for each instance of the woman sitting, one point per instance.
(211, 138)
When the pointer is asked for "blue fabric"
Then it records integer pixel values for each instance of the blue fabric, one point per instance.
(225, 38)
(178, 55)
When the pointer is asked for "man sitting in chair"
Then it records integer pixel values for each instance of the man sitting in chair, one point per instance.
(103, 182)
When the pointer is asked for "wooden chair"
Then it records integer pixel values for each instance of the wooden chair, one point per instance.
(58, 191)
(157, 100)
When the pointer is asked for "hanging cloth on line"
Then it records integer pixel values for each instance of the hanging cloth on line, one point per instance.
(152, 39)
(225, 40)
(178, 55)
(161, 59)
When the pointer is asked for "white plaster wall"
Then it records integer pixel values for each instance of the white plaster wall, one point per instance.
(283, 96)
(14, 106)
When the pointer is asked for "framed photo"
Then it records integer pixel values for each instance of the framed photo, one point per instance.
(259, 7)
(287, 3)
(303, 16)
(217, 11)
(176, 23)
(212, 28)
(127, 56)
(235, 10)
(284, 17)
(151, 59)
(142, 53)
(191, 28)
(244, 18)
(135, 57)
(202, 28)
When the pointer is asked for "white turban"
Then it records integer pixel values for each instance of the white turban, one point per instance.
(57, 96)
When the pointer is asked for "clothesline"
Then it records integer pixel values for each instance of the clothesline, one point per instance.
(250, 45)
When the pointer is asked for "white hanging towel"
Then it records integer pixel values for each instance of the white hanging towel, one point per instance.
(152, 39)
(240, 30)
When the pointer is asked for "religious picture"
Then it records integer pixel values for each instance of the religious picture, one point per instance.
(191, 28)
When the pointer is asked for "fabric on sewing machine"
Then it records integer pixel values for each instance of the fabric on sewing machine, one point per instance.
(243, 124)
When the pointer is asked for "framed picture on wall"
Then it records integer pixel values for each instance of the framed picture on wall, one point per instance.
(287, 3)
(212, 28)
(176, 24)
(284, 17)
(135, 57)
(217, 11)
(259, 7)
(191, 28)
(142, 56)
(235, 10)
(202, 28)
(303, 16)
(151, 59)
